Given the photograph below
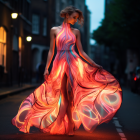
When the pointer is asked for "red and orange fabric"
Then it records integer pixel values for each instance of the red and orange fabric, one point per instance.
(97, 94)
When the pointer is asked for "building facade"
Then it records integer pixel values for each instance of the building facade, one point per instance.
(19, 59)
(14, 49)
(40, 31)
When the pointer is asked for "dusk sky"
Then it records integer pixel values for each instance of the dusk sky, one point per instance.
(96, 8)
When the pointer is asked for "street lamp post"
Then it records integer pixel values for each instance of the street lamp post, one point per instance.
(29, 39)
(14, 16)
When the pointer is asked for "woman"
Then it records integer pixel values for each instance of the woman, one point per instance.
(75, 92)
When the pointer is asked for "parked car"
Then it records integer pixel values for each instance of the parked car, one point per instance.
(135, 81)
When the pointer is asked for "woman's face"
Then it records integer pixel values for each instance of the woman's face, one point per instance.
(72, 19)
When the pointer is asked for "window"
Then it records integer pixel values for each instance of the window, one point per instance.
(35, 24)
(3, 48)
(19, 46)
(45, 26)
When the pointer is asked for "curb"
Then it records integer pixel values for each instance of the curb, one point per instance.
(15, 91)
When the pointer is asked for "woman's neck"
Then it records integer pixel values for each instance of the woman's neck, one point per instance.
(65, 21)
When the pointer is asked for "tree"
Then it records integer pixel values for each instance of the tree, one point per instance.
(120, 27)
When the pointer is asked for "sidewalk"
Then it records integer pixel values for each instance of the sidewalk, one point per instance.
(5, 91)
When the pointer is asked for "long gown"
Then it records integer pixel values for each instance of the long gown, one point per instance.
(97, 94)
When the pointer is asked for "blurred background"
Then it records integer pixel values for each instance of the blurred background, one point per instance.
(110, 36)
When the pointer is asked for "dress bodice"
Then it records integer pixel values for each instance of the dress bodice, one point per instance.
(65, 39)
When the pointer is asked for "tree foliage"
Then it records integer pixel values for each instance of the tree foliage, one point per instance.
(120, 28)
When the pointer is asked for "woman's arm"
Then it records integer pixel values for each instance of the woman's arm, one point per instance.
(52, 47)
(81, 51)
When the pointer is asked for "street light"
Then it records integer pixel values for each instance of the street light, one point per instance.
(28, 38)
(14, 15)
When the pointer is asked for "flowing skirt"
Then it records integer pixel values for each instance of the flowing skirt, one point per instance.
(97, 97)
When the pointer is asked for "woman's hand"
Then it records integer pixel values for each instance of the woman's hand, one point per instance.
(46, 73)
(98, 66)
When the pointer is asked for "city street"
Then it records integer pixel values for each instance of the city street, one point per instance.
(124, 126)
(92, 46)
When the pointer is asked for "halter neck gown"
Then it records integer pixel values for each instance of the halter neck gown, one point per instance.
(97, 94)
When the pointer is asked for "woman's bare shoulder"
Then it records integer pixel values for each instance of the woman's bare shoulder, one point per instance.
(56, 29)
(76, 31)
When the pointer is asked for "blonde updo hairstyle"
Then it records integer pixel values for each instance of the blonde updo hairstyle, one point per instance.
(70, 10)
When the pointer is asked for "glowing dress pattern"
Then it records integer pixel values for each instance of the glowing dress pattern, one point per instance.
(97, 94)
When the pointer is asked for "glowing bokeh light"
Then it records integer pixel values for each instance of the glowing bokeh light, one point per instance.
(28, 38)
(14, 15)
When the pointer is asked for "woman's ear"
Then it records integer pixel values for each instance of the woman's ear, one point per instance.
(67, 15)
